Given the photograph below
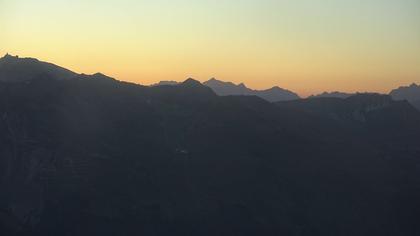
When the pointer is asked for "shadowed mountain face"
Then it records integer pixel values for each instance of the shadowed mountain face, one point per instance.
(410, 93)
(274, 94)
(416, 104)
(95, 156)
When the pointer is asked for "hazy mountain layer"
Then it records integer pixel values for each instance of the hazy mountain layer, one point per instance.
(332, 95)
(410, 93)
(274, 94)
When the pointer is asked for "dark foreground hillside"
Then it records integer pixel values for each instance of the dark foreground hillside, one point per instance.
(94, 156)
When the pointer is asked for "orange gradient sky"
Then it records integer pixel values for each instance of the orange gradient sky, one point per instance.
(307, 46)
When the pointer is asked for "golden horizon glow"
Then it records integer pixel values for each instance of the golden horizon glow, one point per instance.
(307, 46)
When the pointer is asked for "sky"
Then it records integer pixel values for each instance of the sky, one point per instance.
(307, 46)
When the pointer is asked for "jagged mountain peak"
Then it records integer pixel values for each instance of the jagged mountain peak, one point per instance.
(228, 88)
(410, 93)
(277, 88)
(188, 90)
(190, 82)
(334, 94)
(165, 83)
(7, 56)
(242, 85)
(408, 87)
(215, 82)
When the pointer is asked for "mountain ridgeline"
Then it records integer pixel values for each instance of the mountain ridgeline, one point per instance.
(15, 69)
(221, 88)
(332, 95)
(273, 94)
(410, 93)
(90, 155)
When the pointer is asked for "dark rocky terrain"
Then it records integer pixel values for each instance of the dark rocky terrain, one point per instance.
(90, 155)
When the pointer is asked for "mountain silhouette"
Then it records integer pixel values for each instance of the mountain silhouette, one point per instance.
(15, 69)
(221, 88)
(274, 94)
(91, 155)
(376, 113)
(332, 95)
(165, 82)
(410, 93)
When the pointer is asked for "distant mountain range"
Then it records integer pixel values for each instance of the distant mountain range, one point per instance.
(91, 155)
(15, 69)
(410, 93)
(164, 83)
(273, 94)
(362, 108)
(222, 88)
(332, 95)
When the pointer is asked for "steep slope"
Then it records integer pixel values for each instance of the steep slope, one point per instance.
(227, 88)
(15, 69)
